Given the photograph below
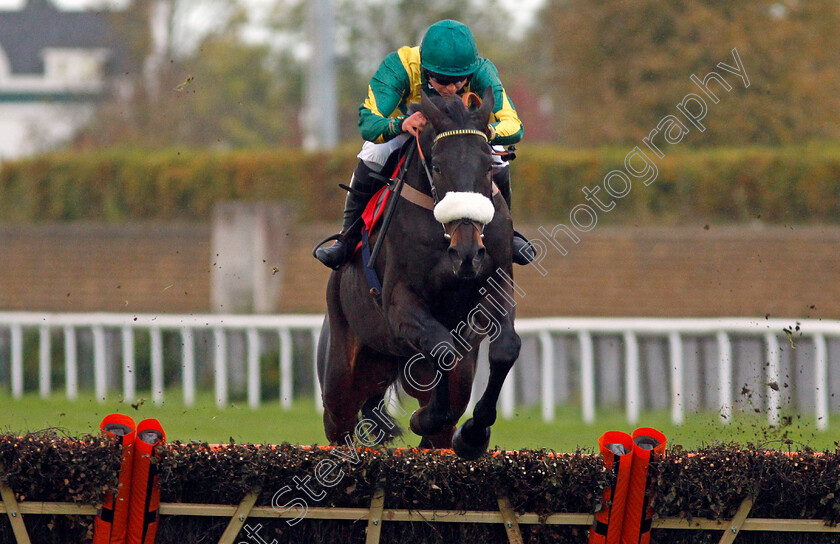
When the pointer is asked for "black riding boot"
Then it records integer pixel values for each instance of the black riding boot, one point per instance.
(363, 187)
(523, 251)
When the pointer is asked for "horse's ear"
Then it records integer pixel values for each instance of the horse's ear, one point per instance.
(488, 102)
(432, 113)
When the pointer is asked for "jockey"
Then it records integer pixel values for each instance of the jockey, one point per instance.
(446, 64)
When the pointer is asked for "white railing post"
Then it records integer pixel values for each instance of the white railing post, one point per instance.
(17, 361)
(821, 381)
(129, 378)
(587, 376)
(156, 347)
(100, 377)
(547, 375)
(71, 363)
(508, 395)
(481, 361)
(286, 383)
(253, 369)
(725, 376)
(188, 366)
(631, 355)
(773, 386)
(44, 361)
(677, 363)
(316, 383)
(544, 329)
(220, 366)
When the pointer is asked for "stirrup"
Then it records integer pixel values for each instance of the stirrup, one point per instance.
(325, 240)
(334, 256)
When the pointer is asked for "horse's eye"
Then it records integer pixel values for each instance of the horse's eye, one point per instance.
(436, 169)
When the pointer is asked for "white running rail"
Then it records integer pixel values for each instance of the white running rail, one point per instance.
(630, 330)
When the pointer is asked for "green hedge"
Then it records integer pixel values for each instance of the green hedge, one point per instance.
(134, 185)
(782, 185)
(709, 483)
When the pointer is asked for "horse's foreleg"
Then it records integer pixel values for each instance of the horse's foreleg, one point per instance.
(409, 319)
(460, 387)
(437, 415)
(473, 438)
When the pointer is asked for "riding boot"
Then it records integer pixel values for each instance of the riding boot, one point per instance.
(362, 186)
(523, 251)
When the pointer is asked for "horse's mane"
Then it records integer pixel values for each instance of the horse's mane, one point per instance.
(451, 106)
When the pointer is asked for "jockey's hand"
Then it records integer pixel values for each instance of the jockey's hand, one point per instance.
(414, 123)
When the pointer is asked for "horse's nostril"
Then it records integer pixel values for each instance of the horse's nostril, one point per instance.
(453, 254)
(479, 257)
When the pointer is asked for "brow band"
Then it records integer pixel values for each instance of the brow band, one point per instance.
(460, 132)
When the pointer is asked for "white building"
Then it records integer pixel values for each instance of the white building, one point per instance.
(54, 67)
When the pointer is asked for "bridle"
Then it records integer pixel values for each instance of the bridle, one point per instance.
(419, 198)
(457, 132)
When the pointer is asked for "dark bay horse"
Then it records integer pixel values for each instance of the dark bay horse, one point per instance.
(447, 283)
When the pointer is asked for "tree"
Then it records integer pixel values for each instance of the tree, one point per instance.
(209, 86)
(617, 68)
(213, 89)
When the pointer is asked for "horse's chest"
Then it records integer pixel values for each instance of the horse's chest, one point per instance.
(453, 305)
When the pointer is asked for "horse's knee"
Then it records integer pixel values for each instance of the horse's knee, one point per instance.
(336, 428)
(505, 348)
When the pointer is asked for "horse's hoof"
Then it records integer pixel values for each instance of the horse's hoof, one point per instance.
(417, 426)
(424, 428)
(414, 423)
(466, 450)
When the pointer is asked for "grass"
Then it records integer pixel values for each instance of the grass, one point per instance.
(302, 424)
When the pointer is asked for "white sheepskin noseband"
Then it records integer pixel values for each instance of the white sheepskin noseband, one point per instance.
(473, 206)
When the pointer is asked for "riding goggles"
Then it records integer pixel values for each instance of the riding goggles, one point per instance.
(441, 79)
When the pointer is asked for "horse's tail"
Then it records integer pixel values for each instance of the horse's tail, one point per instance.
(376, 410)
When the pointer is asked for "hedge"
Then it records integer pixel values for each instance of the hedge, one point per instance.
(709, 483)
(781, 185)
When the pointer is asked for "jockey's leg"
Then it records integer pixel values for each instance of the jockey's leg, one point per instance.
(523, 251)
(363, 186)
(372, 159)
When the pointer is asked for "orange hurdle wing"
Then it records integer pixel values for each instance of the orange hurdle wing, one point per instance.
(617, 450)
(111, 522)
(638, 515)
(145, 493)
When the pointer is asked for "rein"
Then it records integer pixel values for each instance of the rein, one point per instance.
(417, 197)
(426, 168)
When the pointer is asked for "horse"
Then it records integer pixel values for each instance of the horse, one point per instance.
(446, 284)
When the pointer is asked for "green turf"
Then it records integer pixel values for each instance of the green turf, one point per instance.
(302, 424)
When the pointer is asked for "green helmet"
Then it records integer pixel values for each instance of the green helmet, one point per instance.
(449, 49)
